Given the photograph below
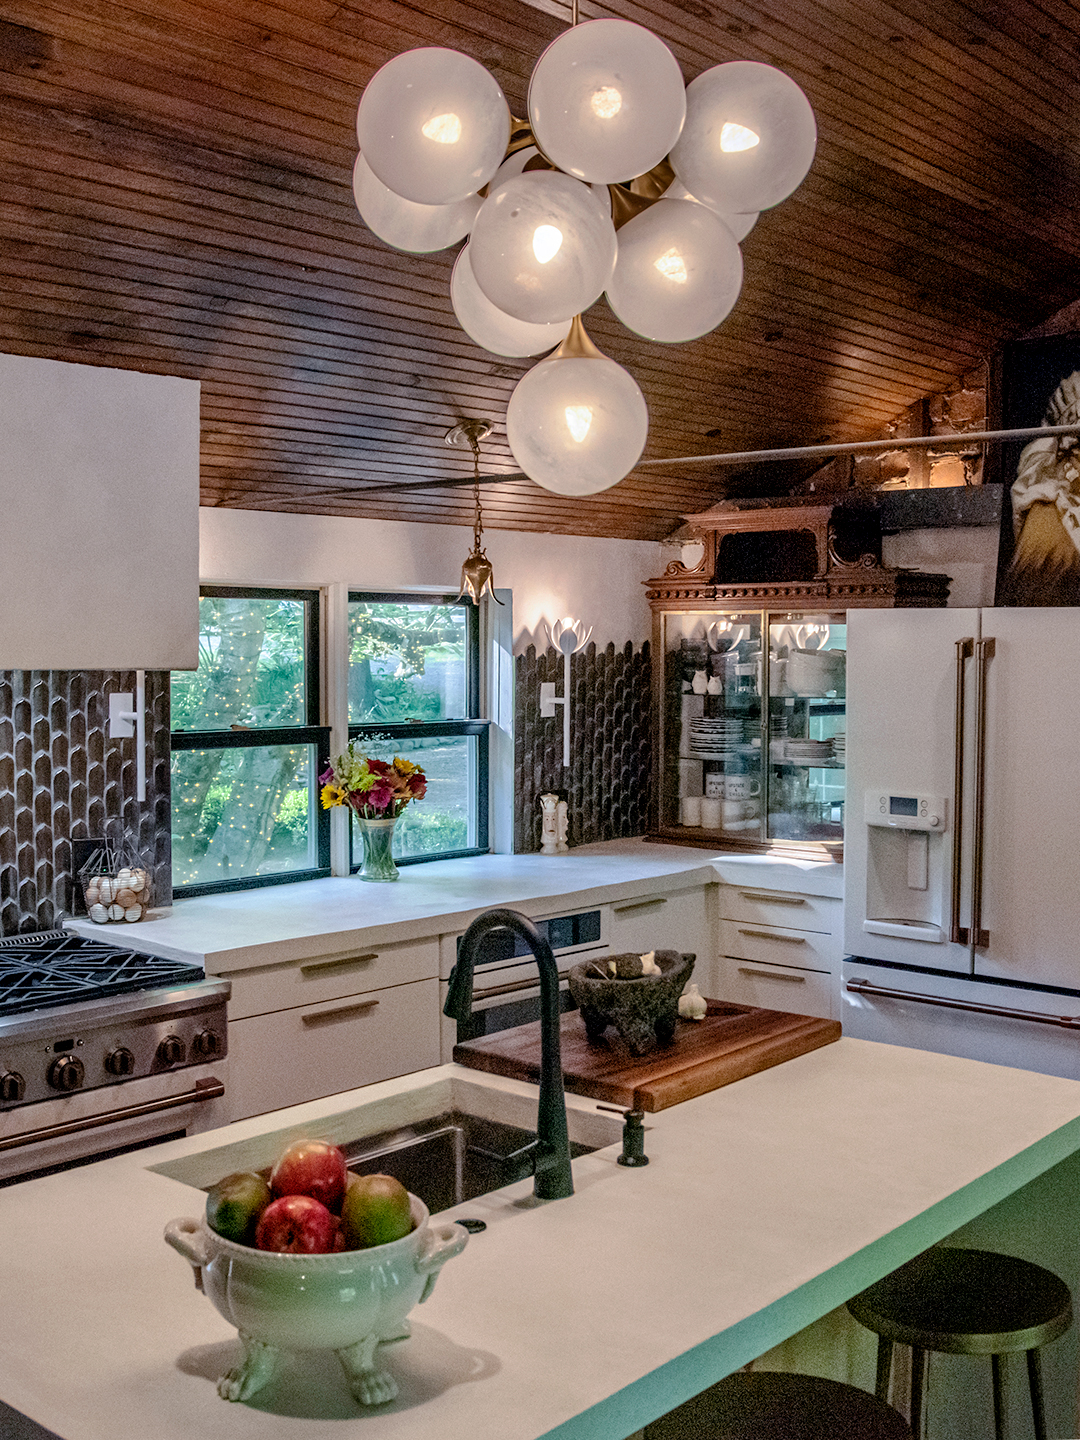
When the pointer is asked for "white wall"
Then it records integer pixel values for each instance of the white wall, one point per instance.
(598, 581)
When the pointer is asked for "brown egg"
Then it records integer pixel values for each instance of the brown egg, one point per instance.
(125, 898)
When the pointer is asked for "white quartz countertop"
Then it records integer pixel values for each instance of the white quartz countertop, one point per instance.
(766, 1204)
(230, 932)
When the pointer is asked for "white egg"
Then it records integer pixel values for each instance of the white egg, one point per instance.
(134, 912)
(99, 914)
(124, 876)
(116, 912)
(106, 888)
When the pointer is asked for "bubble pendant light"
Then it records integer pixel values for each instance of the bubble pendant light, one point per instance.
(577, 422)
(606, 101)
(418, 229)
(489, 326)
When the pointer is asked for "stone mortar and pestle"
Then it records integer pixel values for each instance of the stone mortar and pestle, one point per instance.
(642, 1007)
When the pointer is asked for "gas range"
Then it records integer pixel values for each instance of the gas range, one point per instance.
(79, 1017)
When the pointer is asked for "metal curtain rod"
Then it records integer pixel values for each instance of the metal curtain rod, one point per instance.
(741, 457)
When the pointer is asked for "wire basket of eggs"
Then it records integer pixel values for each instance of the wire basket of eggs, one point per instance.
(115, 886)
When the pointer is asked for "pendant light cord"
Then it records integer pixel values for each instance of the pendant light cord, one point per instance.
(478, 516)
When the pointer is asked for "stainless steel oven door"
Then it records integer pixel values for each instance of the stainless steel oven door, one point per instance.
(94, 1123)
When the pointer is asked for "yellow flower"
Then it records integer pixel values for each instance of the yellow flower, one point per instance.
(405, 767)
(332, 795)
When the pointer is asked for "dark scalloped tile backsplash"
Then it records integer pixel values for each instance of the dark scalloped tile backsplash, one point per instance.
(62, 779)
(607, 785)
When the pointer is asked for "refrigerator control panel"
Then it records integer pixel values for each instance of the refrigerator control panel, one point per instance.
(905, 811)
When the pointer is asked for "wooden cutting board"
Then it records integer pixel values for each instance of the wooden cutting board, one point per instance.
(733, 1041)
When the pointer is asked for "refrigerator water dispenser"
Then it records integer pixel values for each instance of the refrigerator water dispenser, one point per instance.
(906, 875)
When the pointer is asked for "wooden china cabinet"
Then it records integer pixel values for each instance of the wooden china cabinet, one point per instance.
(748, 672)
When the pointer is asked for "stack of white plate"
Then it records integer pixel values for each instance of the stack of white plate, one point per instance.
(809, 752)
(715, 739)
(839, 745)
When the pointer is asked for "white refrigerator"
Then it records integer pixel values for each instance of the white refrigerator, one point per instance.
(962, 903)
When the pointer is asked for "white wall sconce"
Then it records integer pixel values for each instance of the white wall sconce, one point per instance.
(125, 721)
(567, 635)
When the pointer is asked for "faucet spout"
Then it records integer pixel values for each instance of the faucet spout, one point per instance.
(552, 1179)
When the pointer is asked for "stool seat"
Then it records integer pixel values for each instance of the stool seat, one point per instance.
(769, 1406)
(967, 1302)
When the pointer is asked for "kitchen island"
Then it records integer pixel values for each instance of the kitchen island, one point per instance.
(767, 1204)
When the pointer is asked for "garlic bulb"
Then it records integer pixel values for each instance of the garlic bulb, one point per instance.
(692, 1004)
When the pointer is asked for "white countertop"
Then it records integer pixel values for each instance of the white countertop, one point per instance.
(229, 932)
(766, 1204)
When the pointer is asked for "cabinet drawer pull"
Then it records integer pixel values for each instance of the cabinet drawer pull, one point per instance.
(320, 1017)
(340, 962)
(639, 904)
(772, 974)
(768, 935)
(773, 899)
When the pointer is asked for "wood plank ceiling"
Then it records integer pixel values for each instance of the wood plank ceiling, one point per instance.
(175, 197)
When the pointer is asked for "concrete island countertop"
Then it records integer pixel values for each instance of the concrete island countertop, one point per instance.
(315, 917)
(766, 1205)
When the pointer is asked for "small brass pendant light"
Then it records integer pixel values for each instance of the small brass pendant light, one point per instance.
(476, 572)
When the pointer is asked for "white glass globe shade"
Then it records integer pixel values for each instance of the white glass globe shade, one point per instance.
(402, 223)
(513, 164)
(433, 125)
(490, 327)
(739, 225)
(678, 274)
(606, 101)
(577, 426)
(749, 137)
(542, 247)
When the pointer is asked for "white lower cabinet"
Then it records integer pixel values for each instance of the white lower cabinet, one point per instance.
(304, 1029)
(665, 919)
(780, 951)
(289, 1056)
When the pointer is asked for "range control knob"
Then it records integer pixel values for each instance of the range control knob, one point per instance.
(935, 821)
(65, 1073)
(12, 1086)
(170, 1051)
(119, 1061)
(206, 1042)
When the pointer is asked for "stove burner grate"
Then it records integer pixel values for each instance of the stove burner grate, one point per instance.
(54, 967)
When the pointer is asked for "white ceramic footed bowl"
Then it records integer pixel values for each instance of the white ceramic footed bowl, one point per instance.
(319, 1302)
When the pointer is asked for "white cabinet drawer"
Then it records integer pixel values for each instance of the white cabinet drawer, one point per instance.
(661, 920)
(775, 907)
(315, 1050)
(800, 949)
(326, 977)
(779, 987)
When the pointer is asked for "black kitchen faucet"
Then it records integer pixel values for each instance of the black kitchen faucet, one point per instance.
(552, 1179)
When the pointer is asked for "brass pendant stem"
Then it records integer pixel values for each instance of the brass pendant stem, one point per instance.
(625, 205)
(577, 345)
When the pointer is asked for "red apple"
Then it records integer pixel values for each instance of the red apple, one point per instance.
(297, 1224)
(311, 1167)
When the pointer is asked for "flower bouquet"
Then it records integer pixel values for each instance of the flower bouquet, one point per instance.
(377, 792)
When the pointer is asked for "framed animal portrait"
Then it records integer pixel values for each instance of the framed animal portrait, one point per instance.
(1037, 382)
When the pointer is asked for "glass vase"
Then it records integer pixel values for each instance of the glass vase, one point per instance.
(378, 838)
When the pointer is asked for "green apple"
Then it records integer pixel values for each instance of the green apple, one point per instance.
(234, 1205)
(375, 1211)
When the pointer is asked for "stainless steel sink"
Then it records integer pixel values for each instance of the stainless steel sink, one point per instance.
(450, 1158)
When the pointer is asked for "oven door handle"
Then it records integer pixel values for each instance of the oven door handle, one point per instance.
(512, 987)
(864, 987)
(208, 1089)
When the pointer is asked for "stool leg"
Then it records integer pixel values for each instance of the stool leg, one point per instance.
(999, 1399)
(884, 1368)
(918, 1366)
(1035, 1383)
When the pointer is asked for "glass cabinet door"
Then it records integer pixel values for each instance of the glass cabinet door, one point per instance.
(807, 655)
(713, 741)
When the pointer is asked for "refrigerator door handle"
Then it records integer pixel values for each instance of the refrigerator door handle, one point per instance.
(979, 938)
(864, 987)
(964, 650)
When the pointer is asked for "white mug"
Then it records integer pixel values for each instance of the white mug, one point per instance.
(690, 810)
(714, 786)
(741, 787)
(735, 810)
(712, 811)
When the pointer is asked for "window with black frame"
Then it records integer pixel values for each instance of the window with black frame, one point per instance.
(247, 746)
(414, 691)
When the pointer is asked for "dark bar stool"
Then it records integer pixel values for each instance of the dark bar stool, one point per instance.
(966, 1302)
(768, 1406)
